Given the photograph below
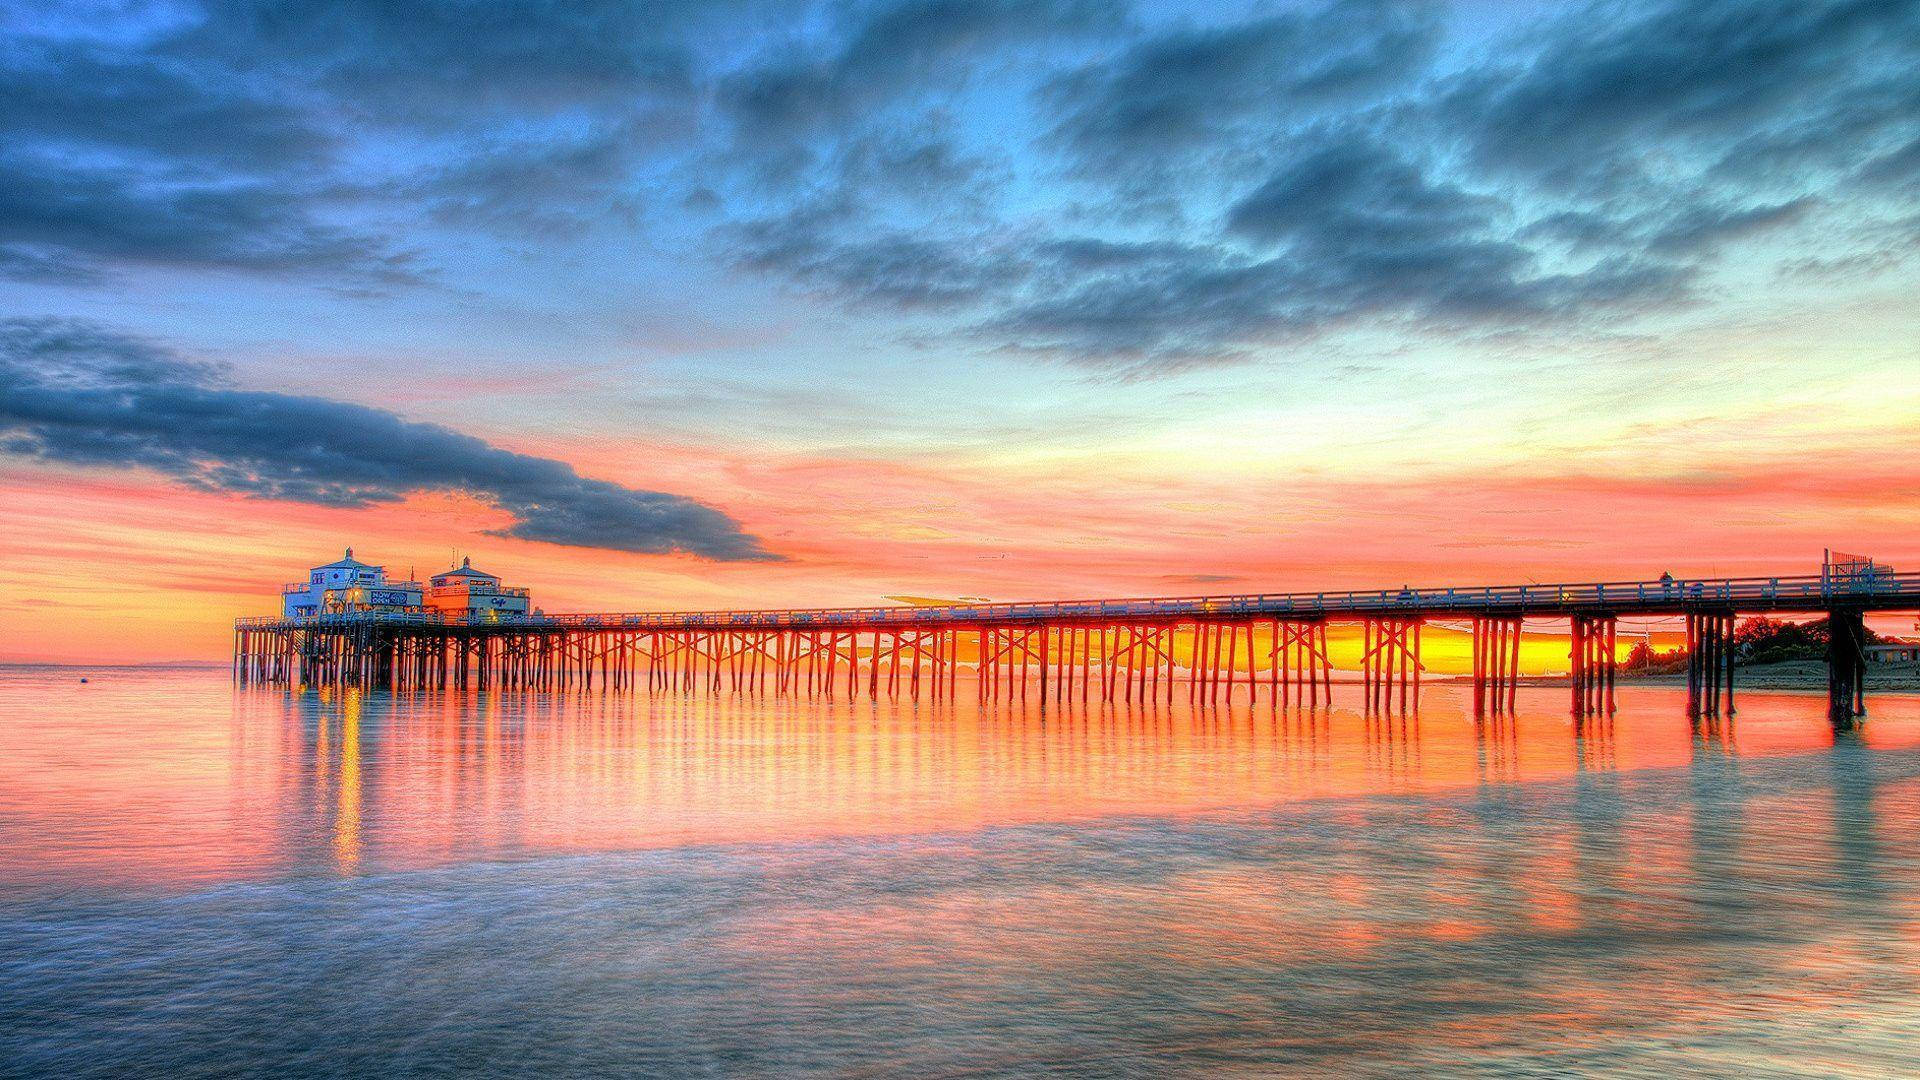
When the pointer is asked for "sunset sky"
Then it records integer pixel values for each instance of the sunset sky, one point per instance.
(711, 304)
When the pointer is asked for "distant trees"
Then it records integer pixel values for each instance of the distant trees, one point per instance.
(1761, 640)
(1758, 640)
(1643, 659)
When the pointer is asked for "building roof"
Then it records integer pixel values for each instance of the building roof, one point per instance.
(348, 563)
(465, 570)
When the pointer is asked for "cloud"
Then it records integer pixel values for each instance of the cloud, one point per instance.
(830, 238)
(1340, 187)
(1065, 179)
(1209, 305)
(200, 116)
(1733, 81)
(75, 393)
(1702, 227)
(893, 48)
(1346, 228)
(111, 158)
(1199, 89)
(1154, 309)
(436, 63)
(555, 186)
(59, 221)
(26, 262)
(1372, 230)
(1680, 128)
(1232, 186)
(238, 135)
(899, 270)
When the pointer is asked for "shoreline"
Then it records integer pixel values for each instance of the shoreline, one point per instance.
(1783, 675)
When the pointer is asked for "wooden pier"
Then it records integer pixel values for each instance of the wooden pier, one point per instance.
(1271, 646)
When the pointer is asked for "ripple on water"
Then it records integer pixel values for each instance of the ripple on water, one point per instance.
(592, 886)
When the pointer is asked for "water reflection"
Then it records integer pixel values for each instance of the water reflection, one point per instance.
(180, 778)
(790, 887)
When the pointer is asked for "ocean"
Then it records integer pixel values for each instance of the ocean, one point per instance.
(200, 879)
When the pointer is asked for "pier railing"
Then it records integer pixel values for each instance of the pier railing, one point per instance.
(1677, 596)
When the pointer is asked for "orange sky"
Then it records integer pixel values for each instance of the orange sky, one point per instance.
(121, 566)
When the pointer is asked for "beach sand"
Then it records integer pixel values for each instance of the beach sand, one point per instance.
(1786, 675)
(1798, 675)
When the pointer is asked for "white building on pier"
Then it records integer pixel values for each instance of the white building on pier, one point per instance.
(351, 585)
(348, 585)
(465, 590)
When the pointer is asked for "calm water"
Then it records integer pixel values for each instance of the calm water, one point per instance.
(201, 880)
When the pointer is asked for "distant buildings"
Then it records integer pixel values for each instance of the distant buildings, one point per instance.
(351, 585)
(348, 585)
(1893, 650)
(466, 591)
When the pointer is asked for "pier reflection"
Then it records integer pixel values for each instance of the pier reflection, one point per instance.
(179, 782)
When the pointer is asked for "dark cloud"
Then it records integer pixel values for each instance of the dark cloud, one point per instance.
(1700, 228)
(1346, 228)
(902, 270)
(1898, 168)
(1371, 230)
(887, 49)
(1345, 189)
(203, 120)
(829, 239)
(26, 262)
(1157, 311)
(72, 219)
(1752, 81)
(1264, 180)
(559, 186)
(78, 394)
(1677, 129)
(1201, 89)
(253, 136)
(1058, 177)
(441, 62)
(516, 117)
(1208, 305)
(108, 157)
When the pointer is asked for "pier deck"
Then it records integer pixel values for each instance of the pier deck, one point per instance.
(1075, 647)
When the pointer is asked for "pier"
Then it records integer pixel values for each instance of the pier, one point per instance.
(1109, 650)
